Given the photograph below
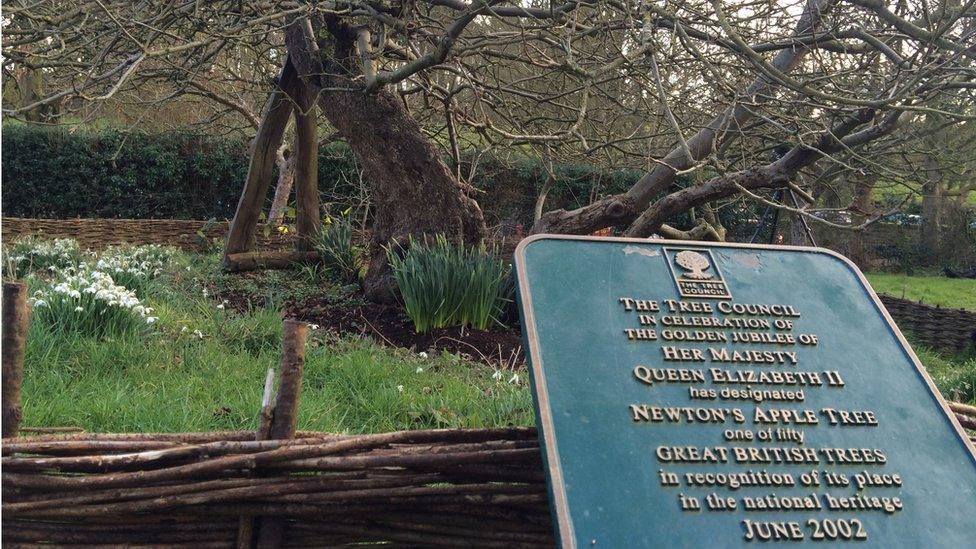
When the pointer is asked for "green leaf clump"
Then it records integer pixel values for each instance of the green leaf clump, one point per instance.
(445, 284)
(340, 255)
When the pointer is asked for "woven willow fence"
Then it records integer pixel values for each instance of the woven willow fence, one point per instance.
(101, 233)
(450, 488)
(941, 328)
(271, 487)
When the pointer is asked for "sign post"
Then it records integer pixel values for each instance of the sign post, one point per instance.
(698, 395)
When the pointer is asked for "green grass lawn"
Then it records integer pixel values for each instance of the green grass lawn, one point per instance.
(954, 375)
(172, 379)
(957, 293)
(172, 383)
(895, 193)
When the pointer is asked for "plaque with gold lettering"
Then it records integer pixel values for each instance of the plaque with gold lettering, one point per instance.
(728, 395)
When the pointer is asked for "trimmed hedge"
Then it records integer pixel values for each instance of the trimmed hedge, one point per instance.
(54, 173)
(50, 172)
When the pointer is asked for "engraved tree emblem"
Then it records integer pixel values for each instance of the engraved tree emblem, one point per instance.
(693, 262)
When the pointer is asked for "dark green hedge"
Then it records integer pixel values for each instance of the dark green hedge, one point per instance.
(52, 172)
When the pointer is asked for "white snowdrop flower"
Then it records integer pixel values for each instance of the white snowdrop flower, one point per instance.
(151, 320)
(184, 330)
(400, 388)
(198, 333)
(139, 309)
(75, 294)
(422, 354)
(40, 303)
(313, 326)
(515, 380)
(420, 370)
(204, 292)
(220, 306)
(79, 309)
(497, 375)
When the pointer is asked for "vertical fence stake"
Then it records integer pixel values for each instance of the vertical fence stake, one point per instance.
(267, 407)
(245, 527)
(285, 419)
(16, 317)
(279, 420)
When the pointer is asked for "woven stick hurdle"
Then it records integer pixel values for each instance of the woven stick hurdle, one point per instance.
(277, 487)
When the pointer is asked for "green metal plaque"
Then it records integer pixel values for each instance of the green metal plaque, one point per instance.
(693, 395)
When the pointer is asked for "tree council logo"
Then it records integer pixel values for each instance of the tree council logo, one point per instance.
(696, 274)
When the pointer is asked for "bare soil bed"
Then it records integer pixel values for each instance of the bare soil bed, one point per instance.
(388, 325)
(500, 346)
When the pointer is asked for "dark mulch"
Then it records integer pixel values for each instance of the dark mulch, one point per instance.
(388, 325)
(238, 300)
(348, 313)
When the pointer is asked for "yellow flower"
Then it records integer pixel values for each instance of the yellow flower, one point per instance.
(282, 229)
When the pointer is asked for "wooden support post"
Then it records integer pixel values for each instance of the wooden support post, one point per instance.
(284, 419)
(307, 216)
(240, 237)
(16, 318)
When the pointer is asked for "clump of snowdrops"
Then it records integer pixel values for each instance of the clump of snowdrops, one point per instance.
(31, 254)
(88, 293)
(89, 302)
(134, 267)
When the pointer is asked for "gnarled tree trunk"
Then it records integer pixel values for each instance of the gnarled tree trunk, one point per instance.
(413, 191)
